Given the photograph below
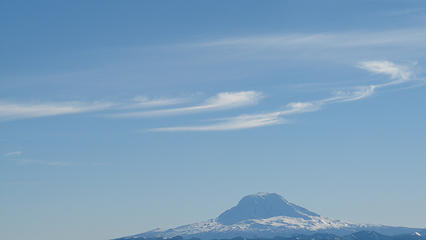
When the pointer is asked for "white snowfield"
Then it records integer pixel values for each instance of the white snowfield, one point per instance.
(270, 225)
(267, 215)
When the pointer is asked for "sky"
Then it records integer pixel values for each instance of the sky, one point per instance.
(117, 117)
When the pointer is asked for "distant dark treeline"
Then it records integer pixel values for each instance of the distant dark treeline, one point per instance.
(363, 235)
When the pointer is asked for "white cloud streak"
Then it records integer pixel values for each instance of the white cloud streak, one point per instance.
(16, 157)
(235, 123)
(398, 74)
(224, 100)
(15, 110)
(314, 46)
(9, 111)
(145, 102)
(249, 121)
(13, 154)
(44, 163)
(407, 11)
(326, 39)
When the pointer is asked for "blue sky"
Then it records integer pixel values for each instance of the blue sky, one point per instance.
(117, 117)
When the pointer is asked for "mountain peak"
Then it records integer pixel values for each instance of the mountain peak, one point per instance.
(265, 195)
(260, 206)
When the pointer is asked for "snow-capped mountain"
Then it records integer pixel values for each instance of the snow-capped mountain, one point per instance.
(268, 215)
(263, 206)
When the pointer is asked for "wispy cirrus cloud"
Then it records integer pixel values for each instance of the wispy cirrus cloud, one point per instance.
(9, 110)
(347, 46)
(324, 39)
(264, 119)
(233, 123)
(16, 157)
(248, 120)
(398, 74)
(406, 11)
(43, 163)
(146, 102)
(13, 154)
(223, 100)
(21, 110)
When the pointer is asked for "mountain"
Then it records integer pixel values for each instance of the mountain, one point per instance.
(262, 206)
(267, 215)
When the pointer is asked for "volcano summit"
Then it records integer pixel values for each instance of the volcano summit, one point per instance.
(268, 215)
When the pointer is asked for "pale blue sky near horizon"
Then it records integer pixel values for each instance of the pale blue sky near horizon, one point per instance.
(117, 117)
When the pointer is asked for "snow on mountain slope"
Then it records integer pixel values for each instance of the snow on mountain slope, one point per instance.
(267, 215)
(261, 206)
(279, 225)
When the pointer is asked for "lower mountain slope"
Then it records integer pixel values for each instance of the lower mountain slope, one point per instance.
(362, 235)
